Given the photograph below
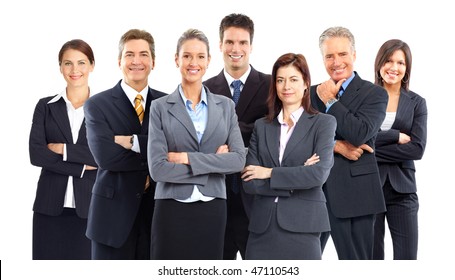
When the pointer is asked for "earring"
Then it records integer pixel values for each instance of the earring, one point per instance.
(405, 78)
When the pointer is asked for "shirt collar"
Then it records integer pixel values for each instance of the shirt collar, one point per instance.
(57, 97)
(348, 81)
(185, 100)
(243, 78)
(131, 92)
(295, 116)
(62, 94)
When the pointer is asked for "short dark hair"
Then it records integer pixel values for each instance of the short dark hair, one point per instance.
(237, 20)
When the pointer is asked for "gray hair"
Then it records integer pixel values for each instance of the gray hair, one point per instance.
(337, 31)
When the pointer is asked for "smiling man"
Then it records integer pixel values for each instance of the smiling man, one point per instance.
(236, 44)
(122, 202)
(353, 189)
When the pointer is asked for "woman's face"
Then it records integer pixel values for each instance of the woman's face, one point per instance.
(193, 60)
(290, 86)
(75, 68)
(393, 71)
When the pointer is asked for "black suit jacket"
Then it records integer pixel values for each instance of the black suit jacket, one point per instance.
(250, 107)
(51, 125)
(353, 188)
(252, 103)
(122, 173)
(396, 161)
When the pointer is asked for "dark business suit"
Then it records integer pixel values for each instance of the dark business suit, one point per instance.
(119, 206)
(250, 107)
(353, 190)
(51, 125)
(397, 173)
(301, 207)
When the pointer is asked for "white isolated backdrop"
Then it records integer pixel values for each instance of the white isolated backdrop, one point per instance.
(33, 32)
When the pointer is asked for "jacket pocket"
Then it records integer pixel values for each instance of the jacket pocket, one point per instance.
(104, 191)
(363, 169)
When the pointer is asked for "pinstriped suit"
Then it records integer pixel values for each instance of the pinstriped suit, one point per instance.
(397, 174)
(51, 125)
(353, 189)
(118, 200)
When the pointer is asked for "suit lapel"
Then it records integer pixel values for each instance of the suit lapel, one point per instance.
(403, 119)
(220, 86)
(250, 89)
(58, 110)
(272, 139)
(125, 107)
(351, 92)
(213, 116)
(301, 130)
(178, 110)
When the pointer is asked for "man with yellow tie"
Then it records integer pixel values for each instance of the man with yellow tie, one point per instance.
(117, 121)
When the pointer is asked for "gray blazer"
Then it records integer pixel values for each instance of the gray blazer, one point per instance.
(301, 205)
(171, 130)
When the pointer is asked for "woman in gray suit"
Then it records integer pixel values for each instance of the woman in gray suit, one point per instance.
(402, 140)
(289, 158)
(194, 141)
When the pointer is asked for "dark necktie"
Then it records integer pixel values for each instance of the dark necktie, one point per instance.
(236, 85)
(236, 180)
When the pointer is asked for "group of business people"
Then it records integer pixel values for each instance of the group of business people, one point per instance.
(134, 173)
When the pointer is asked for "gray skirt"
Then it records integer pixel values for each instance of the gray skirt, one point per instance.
(279, 244)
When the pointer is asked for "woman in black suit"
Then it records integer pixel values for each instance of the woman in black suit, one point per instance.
(58, 145)
(402, 140)
(289, 158)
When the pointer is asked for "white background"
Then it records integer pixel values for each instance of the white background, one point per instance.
(32, 33)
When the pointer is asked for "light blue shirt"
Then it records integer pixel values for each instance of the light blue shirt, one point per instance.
(342, 89)
(199, 117)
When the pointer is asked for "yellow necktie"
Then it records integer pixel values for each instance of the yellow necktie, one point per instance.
(138, 107)
(140, 114)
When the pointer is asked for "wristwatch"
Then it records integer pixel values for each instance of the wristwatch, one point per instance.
(132, 139)
(330, 102)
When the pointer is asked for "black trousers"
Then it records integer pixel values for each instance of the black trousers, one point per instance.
(352, 237)
(137, 245)
(188, 231)
(402, 220)
(60, 237)
(236, 236)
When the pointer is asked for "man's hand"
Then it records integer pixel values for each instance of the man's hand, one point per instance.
(328, 90)
(124, 141)
(350, 151)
